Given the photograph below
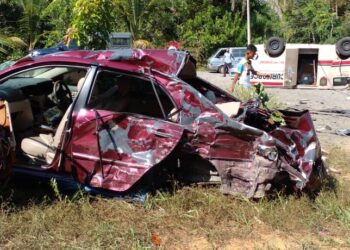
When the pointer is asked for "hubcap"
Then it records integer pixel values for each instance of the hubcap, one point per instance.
(274, 45)
(346, 46)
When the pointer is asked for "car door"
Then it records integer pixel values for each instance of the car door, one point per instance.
(113, 145)
(7, 142)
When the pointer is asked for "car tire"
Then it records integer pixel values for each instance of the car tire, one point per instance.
(275, 46)
(221, 69)
(343, 48)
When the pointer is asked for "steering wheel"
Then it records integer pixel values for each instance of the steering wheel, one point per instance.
(61, 95)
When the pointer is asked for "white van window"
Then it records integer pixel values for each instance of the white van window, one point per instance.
(238, 52)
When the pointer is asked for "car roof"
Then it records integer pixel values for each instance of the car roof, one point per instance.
(132, 60)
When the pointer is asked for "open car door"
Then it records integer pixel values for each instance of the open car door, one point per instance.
(7, 141)
(114, 150)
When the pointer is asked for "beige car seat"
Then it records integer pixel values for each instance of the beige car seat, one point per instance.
(45, 146)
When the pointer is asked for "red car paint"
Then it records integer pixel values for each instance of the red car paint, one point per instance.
(114, 151)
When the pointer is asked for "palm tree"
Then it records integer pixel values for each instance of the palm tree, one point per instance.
(8, 43)
(134, 13)
(30, 23)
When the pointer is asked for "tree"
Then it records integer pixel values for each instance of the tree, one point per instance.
(217, 26)
(9, 43)
(92, 22)
(31, 25)
(135, 14)
(281, 6)
(214, 27)
(311, 21)
(59, 16)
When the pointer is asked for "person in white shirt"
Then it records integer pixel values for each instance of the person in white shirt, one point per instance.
(227, 62)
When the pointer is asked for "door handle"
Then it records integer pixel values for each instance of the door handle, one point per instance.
(160, 133)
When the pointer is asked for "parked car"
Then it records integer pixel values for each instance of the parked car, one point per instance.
(114, 120)
(216, 61)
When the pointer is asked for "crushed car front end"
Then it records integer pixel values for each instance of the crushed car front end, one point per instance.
(251, 155)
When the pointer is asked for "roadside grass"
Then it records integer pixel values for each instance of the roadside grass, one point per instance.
(186, 219)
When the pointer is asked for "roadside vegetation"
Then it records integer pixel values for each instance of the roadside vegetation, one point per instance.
(188, 218)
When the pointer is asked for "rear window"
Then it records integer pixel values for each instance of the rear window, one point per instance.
(238, 52)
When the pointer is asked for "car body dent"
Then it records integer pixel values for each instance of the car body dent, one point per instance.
(114, 151)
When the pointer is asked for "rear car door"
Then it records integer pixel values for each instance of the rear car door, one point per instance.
(7, 142)
(122, 133)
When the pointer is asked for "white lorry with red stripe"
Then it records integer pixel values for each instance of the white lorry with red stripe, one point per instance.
(303, 65)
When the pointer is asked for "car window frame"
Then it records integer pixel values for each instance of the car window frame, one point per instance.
(20, 71)
(135, 75)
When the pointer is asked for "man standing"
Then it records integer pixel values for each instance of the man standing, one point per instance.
(245, 69)
(227, 62)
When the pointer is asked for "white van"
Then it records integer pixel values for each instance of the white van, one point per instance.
(305, 66)
(216, 61)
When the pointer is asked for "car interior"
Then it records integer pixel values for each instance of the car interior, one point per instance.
(118, 92)
(38, 102)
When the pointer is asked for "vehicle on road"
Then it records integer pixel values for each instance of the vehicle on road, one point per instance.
(116, 120)
(216, 61)
(314, 66)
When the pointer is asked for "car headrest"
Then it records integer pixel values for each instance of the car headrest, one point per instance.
(80, 83)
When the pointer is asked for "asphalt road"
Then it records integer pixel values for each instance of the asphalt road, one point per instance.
(315, 100)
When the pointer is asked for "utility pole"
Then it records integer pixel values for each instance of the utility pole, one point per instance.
(248, 22)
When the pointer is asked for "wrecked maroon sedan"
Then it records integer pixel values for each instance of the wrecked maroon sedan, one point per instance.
(110, 118)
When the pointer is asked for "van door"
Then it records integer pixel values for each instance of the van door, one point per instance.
(291, 67)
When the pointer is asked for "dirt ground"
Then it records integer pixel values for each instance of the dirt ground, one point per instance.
(326, 123)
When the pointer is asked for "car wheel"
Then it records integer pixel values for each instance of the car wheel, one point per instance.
(221, 69)
(275, 46)
(343, 48)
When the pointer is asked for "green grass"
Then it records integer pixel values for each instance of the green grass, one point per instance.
(46, 218)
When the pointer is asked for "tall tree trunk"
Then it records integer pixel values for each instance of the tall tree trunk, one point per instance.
(233, 5)
(244, 7)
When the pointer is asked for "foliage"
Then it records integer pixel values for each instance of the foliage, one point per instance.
(202, 25)
(276, 117)
(315, 21)
(31, 24)
(215, 27)
(135, 14)
(269, 103)
(59, 16)
(92, 22)
(10, 47)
